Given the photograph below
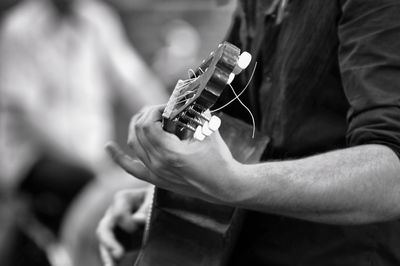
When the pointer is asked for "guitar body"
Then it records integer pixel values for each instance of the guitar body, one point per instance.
(185, 231)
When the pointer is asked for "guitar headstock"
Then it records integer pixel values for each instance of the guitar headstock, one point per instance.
(188, 110)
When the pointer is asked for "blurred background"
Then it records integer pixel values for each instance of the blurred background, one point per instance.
(72, 73)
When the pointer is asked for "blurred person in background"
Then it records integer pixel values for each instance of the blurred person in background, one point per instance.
(179, 52)
(63, 63)
(5, 5)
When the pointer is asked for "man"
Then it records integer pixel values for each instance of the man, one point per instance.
(328, 95)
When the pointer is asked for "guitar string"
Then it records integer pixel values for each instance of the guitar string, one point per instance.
(235, 98)
(181, 101)
(184, 84)
(179, 87)
(191, 71)
(243, 90)
(240, 101)
(186, 81)
(176, 100)
(184, 95)
(182, 87)
(248, 110)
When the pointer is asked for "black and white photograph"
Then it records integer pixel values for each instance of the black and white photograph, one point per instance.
(199, 133)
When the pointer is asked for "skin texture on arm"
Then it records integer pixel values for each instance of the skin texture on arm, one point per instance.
(349, 186)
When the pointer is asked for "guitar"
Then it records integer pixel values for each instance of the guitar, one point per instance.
(188, 231)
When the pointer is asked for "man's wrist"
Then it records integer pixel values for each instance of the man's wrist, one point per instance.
(240, 188)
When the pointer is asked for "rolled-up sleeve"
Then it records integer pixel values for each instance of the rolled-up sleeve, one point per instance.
(369, 58)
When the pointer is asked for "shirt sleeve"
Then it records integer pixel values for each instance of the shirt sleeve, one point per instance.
(369, 58)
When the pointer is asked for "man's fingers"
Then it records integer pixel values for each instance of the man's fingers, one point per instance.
(131, 206)
(142, 213)
(142, 152)
(122, 212)
(133, 167)
(106, 256)
(139, 217)
(147, 130)
(106, 236)
(158, 137)
(149, 114)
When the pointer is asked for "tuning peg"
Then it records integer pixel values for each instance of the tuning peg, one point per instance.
(231, 78)
(198, 134)
(214, 123)
(242, 63)
(193, 120)
(204, 115)
(206, 130)
(185, 125)
(244, 60)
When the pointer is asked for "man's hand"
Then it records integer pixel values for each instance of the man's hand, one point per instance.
(205, 170)
(119, 214)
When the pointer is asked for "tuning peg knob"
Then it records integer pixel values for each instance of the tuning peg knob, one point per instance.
(231, 78)
(242, 63)
(206, 130)
(206, 115)
(214, 123)
(198, 134)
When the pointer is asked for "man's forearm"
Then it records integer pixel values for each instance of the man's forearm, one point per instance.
(349, 186)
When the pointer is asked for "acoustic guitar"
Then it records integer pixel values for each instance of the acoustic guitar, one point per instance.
(184, 231)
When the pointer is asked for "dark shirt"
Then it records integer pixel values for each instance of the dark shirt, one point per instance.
(328, 77)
